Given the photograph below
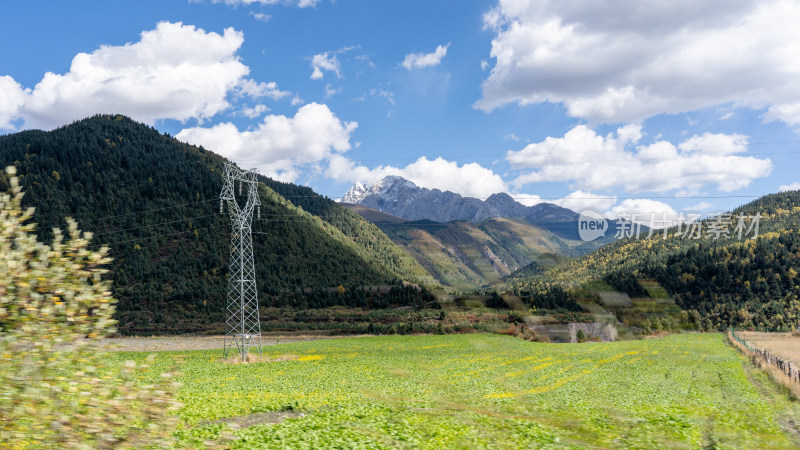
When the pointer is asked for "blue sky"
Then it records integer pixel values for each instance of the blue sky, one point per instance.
(621, 106)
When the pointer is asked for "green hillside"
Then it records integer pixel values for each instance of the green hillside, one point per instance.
(155, 202)
(719, 282)
(465, 255)
(373, 215)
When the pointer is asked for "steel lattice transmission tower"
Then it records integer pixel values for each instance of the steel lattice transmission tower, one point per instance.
(243, 322)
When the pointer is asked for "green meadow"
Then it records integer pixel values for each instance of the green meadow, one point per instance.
(481, 391)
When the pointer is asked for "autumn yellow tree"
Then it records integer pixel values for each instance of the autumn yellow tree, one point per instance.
(57, 386)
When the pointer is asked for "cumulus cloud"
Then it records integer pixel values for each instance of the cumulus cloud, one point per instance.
(715, 144)
(612, 61)
(421, 60)
(12, 97)
(175, 71)
(325, 62)
(790, 187)
(528, 199)
(645, 211)
(593, 162)
(280, 145)
(471, 180)
(580, 200)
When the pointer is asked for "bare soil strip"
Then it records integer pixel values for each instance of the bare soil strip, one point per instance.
(182, 343)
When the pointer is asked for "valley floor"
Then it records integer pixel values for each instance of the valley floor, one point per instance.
(187, 342)
(483, 391)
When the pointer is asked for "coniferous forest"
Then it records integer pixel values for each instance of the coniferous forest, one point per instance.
(155, 202)
(750, 282)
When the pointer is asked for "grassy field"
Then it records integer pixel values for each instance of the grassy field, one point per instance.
(483, 391)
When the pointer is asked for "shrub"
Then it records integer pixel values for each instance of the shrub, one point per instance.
(496, 302)
(57, 388)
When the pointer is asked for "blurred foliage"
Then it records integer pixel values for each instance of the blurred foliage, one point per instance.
(56, 387)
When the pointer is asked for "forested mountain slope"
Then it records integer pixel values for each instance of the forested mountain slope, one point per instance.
(465, 255)
(743, 282)
(155, 202)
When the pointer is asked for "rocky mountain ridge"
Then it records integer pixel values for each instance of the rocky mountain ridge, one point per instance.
(402, 198)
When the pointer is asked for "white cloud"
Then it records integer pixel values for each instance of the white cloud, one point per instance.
(255, 89)
(471, 180)
(255, 111)
(330, 91)
(325, 61)
(12, 97)
(421, 60)
(580, 200)
(593, 162)
(511, 137)
(383, 93)
(617, 61)
(790, 187)
(644, 211)
(280, 145)
(528, 199)
(261, 17)
(377, 94)
(715, 144)
(175, 71)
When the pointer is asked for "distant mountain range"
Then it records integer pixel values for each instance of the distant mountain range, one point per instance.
(402, 198)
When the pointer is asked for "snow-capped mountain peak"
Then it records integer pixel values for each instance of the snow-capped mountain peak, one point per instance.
(402, 198)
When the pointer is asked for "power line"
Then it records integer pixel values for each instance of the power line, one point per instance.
(633, 158)
(142, 238)
(153, 225)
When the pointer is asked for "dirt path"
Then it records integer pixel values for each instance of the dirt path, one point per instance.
(180, 343)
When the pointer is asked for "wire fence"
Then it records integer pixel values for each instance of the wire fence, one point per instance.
(783, 365)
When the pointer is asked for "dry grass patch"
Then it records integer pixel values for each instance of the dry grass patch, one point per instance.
(788, 386)
(783, 345)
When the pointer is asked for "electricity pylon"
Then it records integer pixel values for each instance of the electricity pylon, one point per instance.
(243, 322)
